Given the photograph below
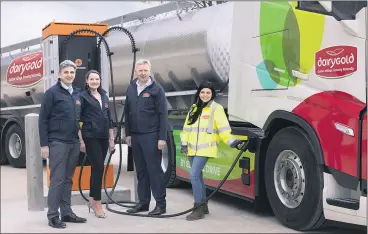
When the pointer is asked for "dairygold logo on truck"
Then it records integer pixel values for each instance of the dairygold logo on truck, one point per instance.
(26, 70)
(336, 61)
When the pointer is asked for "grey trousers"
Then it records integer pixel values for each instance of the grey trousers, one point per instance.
(63, 159)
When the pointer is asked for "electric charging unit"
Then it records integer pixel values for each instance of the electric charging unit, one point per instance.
(82, 50)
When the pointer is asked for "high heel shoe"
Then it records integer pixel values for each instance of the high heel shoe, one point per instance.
(90, 207)
(102, 215)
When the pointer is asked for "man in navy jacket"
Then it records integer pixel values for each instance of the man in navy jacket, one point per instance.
(58, 130)
(146, 133)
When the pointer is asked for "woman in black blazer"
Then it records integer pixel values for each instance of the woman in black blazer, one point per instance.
(97, 136)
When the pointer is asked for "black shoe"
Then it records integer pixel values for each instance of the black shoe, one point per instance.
(73, 219)
(158, 211)
(138, 208)
(55, 222)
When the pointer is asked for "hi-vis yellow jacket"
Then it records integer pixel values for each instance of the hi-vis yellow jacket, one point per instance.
(203, 136)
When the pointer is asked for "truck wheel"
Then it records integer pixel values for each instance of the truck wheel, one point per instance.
(168, 163)
(294, 182)
(15, 146)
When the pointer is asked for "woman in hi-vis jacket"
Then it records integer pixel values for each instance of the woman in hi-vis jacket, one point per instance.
(205, 125)
(97, 135)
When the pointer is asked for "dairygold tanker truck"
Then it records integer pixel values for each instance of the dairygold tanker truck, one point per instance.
(296, 71)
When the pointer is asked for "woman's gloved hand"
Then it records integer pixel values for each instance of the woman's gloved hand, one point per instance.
(184, 149)
(236, 143)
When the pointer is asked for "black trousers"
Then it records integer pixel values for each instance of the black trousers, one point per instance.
(147, 160)
(96, 150)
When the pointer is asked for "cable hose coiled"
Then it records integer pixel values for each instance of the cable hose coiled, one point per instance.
(126, 31)
(242, 147)
(120, 123)
(109, 54)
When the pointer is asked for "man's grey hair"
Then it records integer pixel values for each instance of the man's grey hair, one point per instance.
(67, 63)
(142, 62)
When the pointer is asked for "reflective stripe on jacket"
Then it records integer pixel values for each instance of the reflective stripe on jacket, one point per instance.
(203, 136)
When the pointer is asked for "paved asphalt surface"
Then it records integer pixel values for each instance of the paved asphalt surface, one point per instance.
(227, 214)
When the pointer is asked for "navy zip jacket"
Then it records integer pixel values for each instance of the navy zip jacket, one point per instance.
(59, 115)
(147, 112)
(96, 119)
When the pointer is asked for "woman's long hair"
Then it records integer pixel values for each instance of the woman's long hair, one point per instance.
(198, 105)
(86, 87)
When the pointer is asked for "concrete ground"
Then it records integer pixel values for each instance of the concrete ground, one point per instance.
(227, 214)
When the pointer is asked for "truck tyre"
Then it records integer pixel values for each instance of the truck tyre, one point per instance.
(169, 162)
(15, 149)
(294, 182)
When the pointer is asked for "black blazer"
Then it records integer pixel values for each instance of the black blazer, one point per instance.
(59, 115)
(147, 112)
(96, 120)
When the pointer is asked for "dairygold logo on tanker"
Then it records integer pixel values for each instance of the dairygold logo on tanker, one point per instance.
(336, 61)
(26, 70)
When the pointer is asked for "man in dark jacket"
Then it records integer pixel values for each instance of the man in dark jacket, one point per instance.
(58, 129)
(146, 133)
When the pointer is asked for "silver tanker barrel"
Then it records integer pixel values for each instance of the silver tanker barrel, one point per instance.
(183, 52)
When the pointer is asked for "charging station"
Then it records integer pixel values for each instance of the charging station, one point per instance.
(82, 50)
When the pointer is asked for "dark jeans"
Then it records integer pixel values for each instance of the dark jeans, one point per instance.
(197, 164)
(147, 160)
(96, 150)
(63, 159)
